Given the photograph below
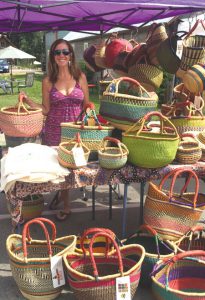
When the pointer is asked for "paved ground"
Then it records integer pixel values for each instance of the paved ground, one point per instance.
(80, 219)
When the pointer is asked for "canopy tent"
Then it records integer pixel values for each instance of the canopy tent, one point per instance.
(84, 15)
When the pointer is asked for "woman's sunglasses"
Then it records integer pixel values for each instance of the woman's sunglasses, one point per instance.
(59, 52)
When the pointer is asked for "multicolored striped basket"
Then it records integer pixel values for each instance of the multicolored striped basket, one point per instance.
(30, 260)
(155, 249)
(20, 121)
(181, 277)
(125, 101)
(112, 157)
(66, 155)
(170, 213)
(149, 149)
(192, 240)
(94, 276)
(91, 136)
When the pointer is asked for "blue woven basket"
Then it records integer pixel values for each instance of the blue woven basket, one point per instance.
(125, 101)
(91, 136)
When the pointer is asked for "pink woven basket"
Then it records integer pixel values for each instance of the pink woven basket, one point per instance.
(19, 121)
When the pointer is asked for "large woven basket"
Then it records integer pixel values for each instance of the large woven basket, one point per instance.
(65, 153)
(184, 124)
(125, 101)
(30, 260)
(91, 136)
(151, 149)
(155, 249)
(112, 157)
(94, 277)
(172, 213)
(181, 277)
(19, 121)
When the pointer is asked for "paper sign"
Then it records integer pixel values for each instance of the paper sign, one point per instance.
(57, 272)
(123, 288)
(79, 156)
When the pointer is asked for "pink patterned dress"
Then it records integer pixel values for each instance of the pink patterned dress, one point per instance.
(62, 109)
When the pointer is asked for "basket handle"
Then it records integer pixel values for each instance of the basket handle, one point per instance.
(115, 141)
(24, 233)
(93, 231)
(195, 26)
(191, 174)
(92, 258)
(138, 127)
(21, 105)
(44, 220)
(185, 254)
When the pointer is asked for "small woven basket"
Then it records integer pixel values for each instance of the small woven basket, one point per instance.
(65, 153)
(30, 260)
(181, 277)
(149, 149)
(125, 101)
(200, 137)
(170, 213)
(112, 157)
(19, 121)
(155, 249)
(192, 240)
(32, 207)
(189, 151)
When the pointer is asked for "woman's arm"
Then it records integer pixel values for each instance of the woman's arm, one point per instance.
(84, 86)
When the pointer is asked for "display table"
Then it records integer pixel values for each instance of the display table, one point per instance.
(94, 175)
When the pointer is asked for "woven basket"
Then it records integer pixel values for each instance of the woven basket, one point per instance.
(156, 35)
(184, 124)
(94, 277)
(65, 153)
(112, 157)
(155, 249)
(32, 207)
(100, 245)
(181, 277)
(194, 79)
(149, 76)
(173, 214)
(30, 260)
(189, 151)
(19, 121)
(100, 55)
(125, 101)
(192, 240)
(200, 137)
(91, 136)
(150, 149)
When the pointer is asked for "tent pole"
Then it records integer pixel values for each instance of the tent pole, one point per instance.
(11, 76)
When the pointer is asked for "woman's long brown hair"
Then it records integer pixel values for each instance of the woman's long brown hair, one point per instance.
(53, 67)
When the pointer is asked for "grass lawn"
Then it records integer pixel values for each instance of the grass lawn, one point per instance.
(34, 92)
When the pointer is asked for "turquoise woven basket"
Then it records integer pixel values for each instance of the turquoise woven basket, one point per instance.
(125, 101)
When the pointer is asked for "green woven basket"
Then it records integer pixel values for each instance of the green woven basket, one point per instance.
(149, 149)
(184, 124)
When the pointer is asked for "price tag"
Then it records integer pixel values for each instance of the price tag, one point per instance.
(57, 272)
(123, 288)
(79, 156)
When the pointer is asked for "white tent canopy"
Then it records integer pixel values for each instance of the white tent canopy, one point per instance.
(14, 53)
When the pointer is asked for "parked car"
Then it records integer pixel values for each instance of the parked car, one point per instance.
(4, 66)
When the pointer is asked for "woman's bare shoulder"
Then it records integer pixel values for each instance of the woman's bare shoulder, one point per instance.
(46, 82)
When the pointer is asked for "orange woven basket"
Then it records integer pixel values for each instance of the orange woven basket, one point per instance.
(20, 121)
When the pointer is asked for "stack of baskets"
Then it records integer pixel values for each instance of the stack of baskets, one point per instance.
(112, 157)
